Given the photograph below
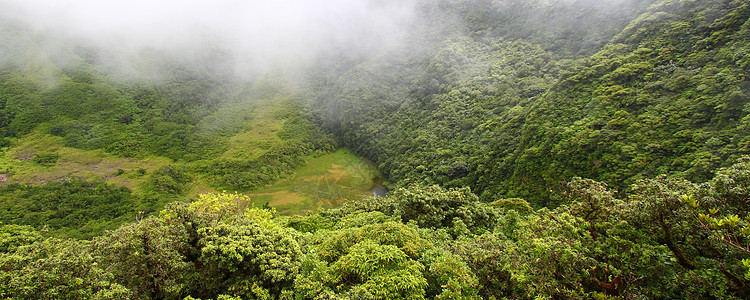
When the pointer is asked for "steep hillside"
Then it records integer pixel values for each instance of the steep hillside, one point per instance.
(509, 114)
(668, 95)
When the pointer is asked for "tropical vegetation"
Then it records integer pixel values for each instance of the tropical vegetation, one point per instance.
(528, 157)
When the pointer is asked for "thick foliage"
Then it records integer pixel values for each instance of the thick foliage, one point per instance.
(433, 207)
(54, 269)
(666, 238)
(74, 208)
(371, 256)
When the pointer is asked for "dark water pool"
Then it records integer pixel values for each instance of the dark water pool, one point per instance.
(378, 191)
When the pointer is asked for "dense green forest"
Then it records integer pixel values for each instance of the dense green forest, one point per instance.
(528, 156)
(515, 115)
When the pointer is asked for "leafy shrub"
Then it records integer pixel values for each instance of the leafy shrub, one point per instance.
(170, 179)
(432, 207)
(46, 159)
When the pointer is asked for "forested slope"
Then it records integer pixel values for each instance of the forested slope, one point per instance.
(660, 88)
(668, 95)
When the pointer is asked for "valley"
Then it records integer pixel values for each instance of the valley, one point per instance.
(375, 149)
(321, 179)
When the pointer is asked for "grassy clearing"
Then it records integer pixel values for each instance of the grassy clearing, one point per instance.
(325, 181)
(261, 133)
(17, 163)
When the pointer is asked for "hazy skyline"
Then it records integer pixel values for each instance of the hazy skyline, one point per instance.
(255, 34)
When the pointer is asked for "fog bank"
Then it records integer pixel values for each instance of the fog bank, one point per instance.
(249, 37)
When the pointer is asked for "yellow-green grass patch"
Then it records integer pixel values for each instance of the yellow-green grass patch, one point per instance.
(17, 163)
(261, 134)
(324, 182)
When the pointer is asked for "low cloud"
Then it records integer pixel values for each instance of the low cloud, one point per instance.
(252, 36)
